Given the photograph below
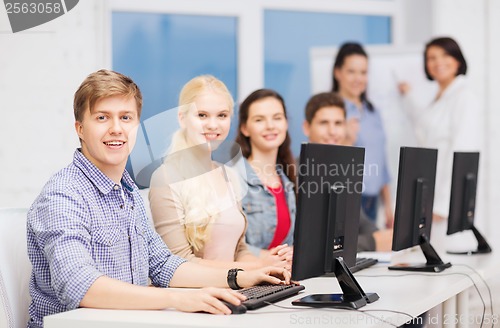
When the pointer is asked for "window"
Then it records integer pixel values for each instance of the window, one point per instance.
(288, 38)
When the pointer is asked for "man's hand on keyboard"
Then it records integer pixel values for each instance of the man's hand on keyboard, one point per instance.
(205, 299)
(272, 275)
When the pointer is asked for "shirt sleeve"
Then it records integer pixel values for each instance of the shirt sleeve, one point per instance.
(61, 227)
(366, 242)
(162, 263)
(168, 212)
(411, 106)
(386, 176)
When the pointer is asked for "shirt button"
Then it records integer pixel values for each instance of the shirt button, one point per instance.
(116, 187)
(121, 206)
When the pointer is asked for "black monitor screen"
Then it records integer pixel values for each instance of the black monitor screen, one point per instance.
(326, 228)
(327, 173)
(463, 192)
(463, 198)
(414, 202)
(415, 196)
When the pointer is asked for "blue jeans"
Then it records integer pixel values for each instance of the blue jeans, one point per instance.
(369, 204)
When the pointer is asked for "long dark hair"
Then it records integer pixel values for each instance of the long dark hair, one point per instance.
(285, 157)
(452, 48)
(348, 49)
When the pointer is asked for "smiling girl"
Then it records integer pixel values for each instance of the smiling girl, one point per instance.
(364, 128)
(271, 173)
(195, 201)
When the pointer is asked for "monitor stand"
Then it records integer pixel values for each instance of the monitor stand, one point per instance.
(353, 295)
(482, 245)
(434, 262)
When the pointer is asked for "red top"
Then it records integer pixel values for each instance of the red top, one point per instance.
(283, 215)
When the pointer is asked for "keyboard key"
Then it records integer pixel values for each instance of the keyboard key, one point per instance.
(362, 263)
(261, 295)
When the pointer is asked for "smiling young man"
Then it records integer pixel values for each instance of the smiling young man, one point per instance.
(325, 120)
(325, 123)
(89, 241)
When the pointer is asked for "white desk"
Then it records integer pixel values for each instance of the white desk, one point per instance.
(411, 293)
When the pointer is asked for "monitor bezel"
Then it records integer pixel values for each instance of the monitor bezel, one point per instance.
(463, 196)
(316, 222)
(414, 207)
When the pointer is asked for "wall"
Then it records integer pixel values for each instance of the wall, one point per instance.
(40, 69)
(492, 77)
(415, 14)
(474, 24)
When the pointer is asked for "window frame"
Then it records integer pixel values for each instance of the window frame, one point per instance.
(250, 18)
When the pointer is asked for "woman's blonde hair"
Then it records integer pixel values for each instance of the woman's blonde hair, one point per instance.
(187, 97)
(196, 191)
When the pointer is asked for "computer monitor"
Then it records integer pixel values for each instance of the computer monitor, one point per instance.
(414, 202)
(463, 199)
(326, 227)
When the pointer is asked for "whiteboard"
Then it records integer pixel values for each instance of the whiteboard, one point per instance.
(388, 65)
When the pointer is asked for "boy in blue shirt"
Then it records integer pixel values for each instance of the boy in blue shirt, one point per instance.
(89, 241)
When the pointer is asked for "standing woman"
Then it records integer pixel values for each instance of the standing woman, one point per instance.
(454, 119)
(195, 202)
(364, 127)
(270, 173)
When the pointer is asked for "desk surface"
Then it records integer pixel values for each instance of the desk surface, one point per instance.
(399, 291)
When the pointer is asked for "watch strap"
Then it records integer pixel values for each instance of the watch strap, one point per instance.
(231, 278)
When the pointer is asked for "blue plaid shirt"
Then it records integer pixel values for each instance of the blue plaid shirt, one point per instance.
(83, 226)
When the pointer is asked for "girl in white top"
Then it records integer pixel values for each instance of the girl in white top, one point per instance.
(454, 119)
(196, 202)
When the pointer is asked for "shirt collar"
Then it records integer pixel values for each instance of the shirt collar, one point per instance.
(353, 111)
(455, 84)
(288, 185)
(251, 177)
(99, 179)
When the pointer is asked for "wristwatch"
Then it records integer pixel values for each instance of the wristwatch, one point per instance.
(231, 278)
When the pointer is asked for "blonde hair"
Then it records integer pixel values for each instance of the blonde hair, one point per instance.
(187, 97)
(199, 208)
